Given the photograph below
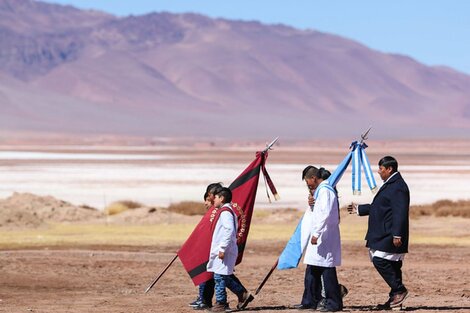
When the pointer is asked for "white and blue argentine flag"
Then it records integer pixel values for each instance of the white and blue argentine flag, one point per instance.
(296, 245)
(359, 157)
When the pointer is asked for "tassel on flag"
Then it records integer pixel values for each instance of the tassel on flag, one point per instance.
(360, 159)
(356, 168)
(367, 170)
(268, 182)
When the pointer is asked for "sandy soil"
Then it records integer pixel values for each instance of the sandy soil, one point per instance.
(112, 279)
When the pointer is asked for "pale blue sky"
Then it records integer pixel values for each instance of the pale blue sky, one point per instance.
(431, 31)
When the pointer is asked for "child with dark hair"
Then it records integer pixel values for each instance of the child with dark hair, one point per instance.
(206, 289)
(212, 189)
(207, 201)
(321, 288)
(224, 252)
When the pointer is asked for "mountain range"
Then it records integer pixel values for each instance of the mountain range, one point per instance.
(70, 71)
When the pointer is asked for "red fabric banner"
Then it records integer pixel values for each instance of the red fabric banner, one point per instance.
(194, 254)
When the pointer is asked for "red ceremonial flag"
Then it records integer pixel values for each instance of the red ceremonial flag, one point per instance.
(194, 254)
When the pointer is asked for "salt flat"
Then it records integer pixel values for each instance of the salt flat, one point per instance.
(159, 177)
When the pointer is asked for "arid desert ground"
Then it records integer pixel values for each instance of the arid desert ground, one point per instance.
(79, 275)
(59, 257)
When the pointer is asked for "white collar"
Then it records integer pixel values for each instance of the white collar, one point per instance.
(390, 177)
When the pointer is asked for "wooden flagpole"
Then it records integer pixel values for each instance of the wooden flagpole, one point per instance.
(161, 274)
(266, 278)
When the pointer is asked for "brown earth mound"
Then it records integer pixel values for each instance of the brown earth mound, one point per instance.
(149, 216)
(25, 210)
(28, 210)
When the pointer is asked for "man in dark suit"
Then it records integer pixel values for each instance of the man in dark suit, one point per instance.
(388, 231)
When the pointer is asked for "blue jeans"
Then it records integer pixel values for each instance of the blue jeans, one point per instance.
(227, 281)
(206, 291)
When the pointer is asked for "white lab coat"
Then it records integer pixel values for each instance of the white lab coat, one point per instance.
(224, 239)
(325, 226)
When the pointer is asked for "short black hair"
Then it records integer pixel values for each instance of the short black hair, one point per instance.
(206, 194)
(212, 188)
(309, 172)
(389, 161)
(226, 193)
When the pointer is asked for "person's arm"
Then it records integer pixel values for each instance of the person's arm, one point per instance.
(400, 210)
(363, 209)
(227, 227)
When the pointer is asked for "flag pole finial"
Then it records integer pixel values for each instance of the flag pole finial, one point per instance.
(269, 146)
(364, 136)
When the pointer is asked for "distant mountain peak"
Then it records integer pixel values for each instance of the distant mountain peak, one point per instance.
(161, 74)
(15, 5)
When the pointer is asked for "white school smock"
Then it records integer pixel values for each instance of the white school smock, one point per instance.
(224, 239)
(325, 226)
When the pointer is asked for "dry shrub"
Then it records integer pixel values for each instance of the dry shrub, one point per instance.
(442, 208)
(289, 210)
(294, 213)
(121, 206)
(131, 204)
(87, 207)
(442, 203)
(188, 208)
(421, 210)
(261, 213)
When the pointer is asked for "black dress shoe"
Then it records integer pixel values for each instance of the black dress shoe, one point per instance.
(398, 299)
(385, 306)
(343, 290)
(302, 307)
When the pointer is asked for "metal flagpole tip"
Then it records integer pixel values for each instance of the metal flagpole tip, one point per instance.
(269, 146)
(374, 190)
(364, 136)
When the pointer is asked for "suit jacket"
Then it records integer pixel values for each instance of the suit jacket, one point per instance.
(388, 216)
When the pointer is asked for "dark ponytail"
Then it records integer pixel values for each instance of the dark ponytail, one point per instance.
(323, 173)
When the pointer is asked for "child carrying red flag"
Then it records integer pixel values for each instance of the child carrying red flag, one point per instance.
(206, 289)
(224, 252)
